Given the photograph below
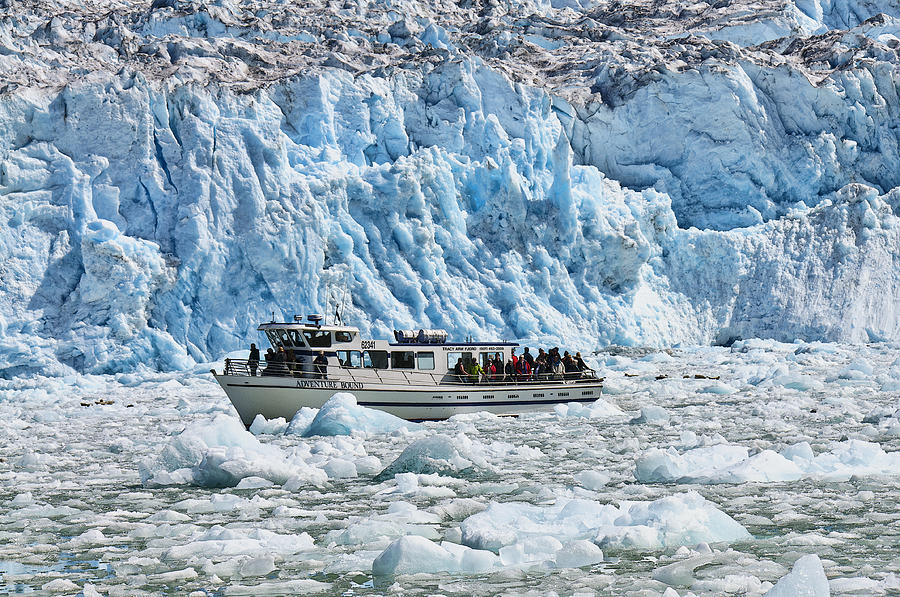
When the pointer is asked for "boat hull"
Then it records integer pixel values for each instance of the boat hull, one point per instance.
(274, 397)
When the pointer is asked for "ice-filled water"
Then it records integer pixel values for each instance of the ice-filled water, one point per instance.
(760, 468)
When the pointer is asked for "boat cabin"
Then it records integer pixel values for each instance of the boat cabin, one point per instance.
(421, 350)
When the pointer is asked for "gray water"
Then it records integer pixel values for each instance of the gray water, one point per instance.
(75, 517)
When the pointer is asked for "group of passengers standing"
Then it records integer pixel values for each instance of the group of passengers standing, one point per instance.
(283, 362)
(546, 365)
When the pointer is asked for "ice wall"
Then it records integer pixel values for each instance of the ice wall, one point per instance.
(695, 192)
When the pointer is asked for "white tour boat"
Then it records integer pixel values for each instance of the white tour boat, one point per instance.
(414, 377)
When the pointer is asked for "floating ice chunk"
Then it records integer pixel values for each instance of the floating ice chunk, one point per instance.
(341, 415)
(593, 410)
(799, 451)
(439, 454)
(653, 414)
(168, 516)
(300, 586)
(299, 424)
(683, 519)
(594, 480)
(719, 388)
(859, 369)
(681, 573)
(222, 542)
(667, 466)
(767, 466)
(340, 468)
(89, 537)
(261, 426)
(258, 566)
(253, 483)
(796, 381)
(61, 585)
(855, 457)
(401, 519)
(577, 554)
(806, 579)
(412, 554)
(219, 454)
(538, 550)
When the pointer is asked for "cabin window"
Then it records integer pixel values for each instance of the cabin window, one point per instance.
(343, 336)
(426, 361)
(485, 359)
(375, 359)
(403, 359)
(318, 339)
(295, 338)
(452, 357)
(274, 340)
(350, 358)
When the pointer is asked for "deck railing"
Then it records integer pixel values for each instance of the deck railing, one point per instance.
(242, 367)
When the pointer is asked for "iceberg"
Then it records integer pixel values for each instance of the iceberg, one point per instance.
(439, 454)
(221, 453)
(806, 579)
(341, 415)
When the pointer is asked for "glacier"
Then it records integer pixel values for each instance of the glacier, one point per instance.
(564, 171)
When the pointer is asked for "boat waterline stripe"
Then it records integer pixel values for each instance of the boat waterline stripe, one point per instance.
(488, 402)
(445, 402)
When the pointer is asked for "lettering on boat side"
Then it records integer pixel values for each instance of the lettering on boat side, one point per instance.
(325, 384)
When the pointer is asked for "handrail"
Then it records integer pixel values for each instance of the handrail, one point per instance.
(242, 367)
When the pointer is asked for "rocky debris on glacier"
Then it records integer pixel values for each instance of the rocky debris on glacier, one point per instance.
(174, 171)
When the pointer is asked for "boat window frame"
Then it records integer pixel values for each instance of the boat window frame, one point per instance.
(313, 337)
(350, 357)
(383, 359)
(407, 364)
(453, 355)
(426, 354)
(342, 337)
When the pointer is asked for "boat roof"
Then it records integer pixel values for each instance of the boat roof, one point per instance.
(305, 325)
(455, 344)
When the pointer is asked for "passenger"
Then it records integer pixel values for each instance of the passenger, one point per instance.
(279, 367)
(459, 371)
(580, 364)
(527, 356)
(475, 371)
(290, 359)
(556, 365)
(320, 363)
(523, 369)
(509, 369)
(491, 369)
(253, 361)
(569, 364)
(498, 366)
(540, 364)
(514, 358)
(270, 362)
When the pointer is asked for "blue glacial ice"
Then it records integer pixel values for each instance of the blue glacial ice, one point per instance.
(686, 187)
(341, 415)
(806, 579)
